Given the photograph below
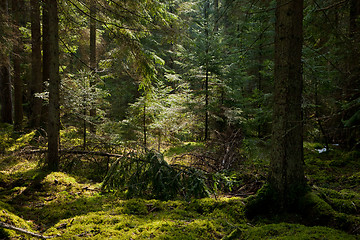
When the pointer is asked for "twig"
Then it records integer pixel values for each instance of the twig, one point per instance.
(11, 227)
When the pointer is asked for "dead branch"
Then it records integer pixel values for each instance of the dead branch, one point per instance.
(21, 230)
(103, 154)
(332, 6)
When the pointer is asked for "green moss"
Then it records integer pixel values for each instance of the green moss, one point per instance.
(342, 201)
(293, 232)
(183, 148)
(136, 207)
(10, 218)
(22, 141)
(315, 209)
(59, 204)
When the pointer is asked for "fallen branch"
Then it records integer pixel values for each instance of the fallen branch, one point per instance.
(11, 227)
(103, 154)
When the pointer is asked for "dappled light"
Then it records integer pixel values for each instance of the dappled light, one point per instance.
(179, 119)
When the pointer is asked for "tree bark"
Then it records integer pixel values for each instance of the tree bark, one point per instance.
(18, 108)
(54, 86)
(36, 78)
(93, 64)
(5, 96)
(351, 87)
(5, 80)
(286, 176)
(206, 15)
(46, 57)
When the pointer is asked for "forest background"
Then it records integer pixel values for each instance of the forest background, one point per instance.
(174, 100)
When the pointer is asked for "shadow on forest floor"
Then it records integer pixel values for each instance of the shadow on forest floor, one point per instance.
(56, 203)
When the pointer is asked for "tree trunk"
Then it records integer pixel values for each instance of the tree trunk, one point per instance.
(18, 108)
(46, 57)
(144, 123)
(5, 96)
(5, 80)
(54, 86)
(36, 78)
(353, 82)
(206, 15)
(286, 176)
(93, 64)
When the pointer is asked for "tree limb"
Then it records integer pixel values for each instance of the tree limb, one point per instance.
(11, 227)
(103, 154)
(332, 6)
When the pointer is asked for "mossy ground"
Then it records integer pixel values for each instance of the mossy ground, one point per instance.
(59, 203)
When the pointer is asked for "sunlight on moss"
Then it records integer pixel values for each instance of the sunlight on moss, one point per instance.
(294, 231)
(8, 217)
(22, 141)
(60, 178)
(70, 136)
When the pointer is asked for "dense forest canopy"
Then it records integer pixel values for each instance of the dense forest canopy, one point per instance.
(178, 70)
(183, 99)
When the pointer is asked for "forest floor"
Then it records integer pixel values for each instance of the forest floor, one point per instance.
(67, 206)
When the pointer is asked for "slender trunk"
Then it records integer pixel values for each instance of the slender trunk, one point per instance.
(159, 141)
(84, 129)
(216, 9)
(206, 14)
(144, 122)
(259, 84)
(93, 64)
(18, 108)
(318, 119)
(46, 57)
(5, 80)
(54, 86)
(5, 94)
(36, 78)
(286, 176)
(206, 103)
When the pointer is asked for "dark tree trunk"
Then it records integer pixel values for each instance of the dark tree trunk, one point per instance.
(286, 176)
(18, 103)
(93, 64)
(46, 57)
(5, 80)
(54, 86)
(5, 94)
(36, 78)
(351, 88)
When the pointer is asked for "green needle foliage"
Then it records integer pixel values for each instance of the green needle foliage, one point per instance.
(150, 176)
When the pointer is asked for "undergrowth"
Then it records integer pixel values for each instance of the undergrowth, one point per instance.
(74, 207)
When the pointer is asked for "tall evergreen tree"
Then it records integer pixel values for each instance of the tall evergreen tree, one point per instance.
(17, 53)
(36, 77)
(54, 85)
(93, 63)
(5, 81)
(286, 175)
